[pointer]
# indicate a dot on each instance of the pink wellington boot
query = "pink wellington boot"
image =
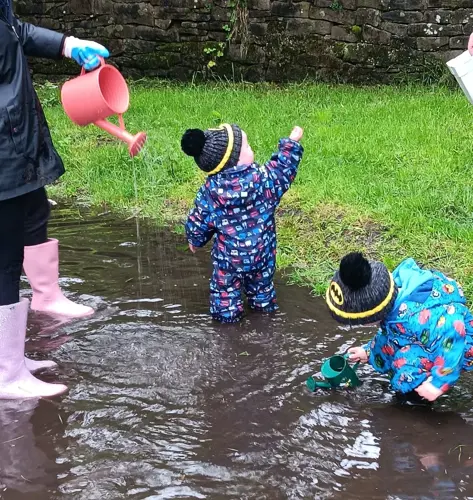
(32, 365)
(16, 382)
(41, 264)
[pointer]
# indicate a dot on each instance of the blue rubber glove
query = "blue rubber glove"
(84, 52)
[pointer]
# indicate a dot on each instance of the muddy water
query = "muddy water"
(165, 404)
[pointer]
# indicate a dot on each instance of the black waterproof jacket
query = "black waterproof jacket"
(28, 159)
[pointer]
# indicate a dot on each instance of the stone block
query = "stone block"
(431, 43)
(163, 24)
(449, 4)
(284, 9)
(357, 53)
(80, 6)
(346, 17)
(254, 54)
(402, 16)
(51, 24)
(258, 14)
(343, 34)
(459, 42)
(375, 35)
(217, 36)
(139, 46)
(308, 26)
(259, 4)
(407, 4)
(120, 31)
(155, 34)
(290, 9)
(462, 16)
(468, 28)
(103, 6)
(258, 29)
(368, 16)
(396, 29)
(429, 29)
(136, 13)
(193, 37)
(28, 8)
(344, 4)
(320, 61)
(438, 16)
(373, 4)
(220, 14)
(446, 55)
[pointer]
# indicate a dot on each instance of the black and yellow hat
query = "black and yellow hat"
(361, 291)
(214, 149)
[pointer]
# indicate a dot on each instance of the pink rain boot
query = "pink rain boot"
(16, 382)
(41, 264)
(35, 366)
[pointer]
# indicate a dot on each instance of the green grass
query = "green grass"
(386, 170)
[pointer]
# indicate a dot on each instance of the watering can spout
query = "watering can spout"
(135, 142)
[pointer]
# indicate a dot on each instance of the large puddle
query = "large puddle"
(166, 404)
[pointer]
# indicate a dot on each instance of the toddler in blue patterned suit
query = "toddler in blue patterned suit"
(236, 207)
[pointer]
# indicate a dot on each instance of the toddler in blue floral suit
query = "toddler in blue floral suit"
(425, 336)
(236, 206)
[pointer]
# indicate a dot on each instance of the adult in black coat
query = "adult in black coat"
(29, 162)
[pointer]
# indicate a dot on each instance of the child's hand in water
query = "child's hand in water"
(192, 248)
(428, 391)
(358, 354)
(296, 134)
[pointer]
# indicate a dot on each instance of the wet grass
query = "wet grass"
(386, 170)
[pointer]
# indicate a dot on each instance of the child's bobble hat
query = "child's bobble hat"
(361, 291)
(214, 149)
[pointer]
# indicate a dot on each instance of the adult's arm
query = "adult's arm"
(39, 42)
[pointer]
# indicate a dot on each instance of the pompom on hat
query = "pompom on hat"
(361, 291)
(214, 149)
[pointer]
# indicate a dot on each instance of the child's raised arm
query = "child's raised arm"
(199, 226)
(282, 167)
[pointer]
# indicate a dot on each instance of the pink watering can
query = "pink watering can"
(92, 97)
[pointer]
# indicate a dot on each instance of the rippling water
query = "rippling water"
(166, 404)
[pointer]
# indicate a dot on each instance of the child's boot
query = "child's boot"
(41, 264)
(16, 382)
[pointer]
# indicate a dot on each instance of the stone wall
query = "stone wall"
(276, 40)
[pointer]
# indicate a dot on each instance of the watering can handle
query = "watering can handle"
(356, 365)
(102, 63)
(121, 122)
(83, 71)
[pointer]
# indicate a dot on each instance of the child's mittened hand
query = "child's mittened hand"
(358, 354)
(192, 248)
(428, 391)
(296, 134)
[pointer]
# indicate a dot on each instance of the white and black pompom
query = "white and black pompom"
(355, 271)
(193, 141)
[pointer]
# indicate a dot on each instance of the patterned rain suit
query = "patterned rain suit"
(429, 333)
(237, 206)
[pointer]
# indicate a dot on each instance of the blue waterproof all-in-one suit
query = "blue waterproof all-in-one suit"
(428, 335)
(237, 206)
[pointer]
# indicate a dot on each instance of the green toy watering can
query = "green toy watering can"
(336, 371)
